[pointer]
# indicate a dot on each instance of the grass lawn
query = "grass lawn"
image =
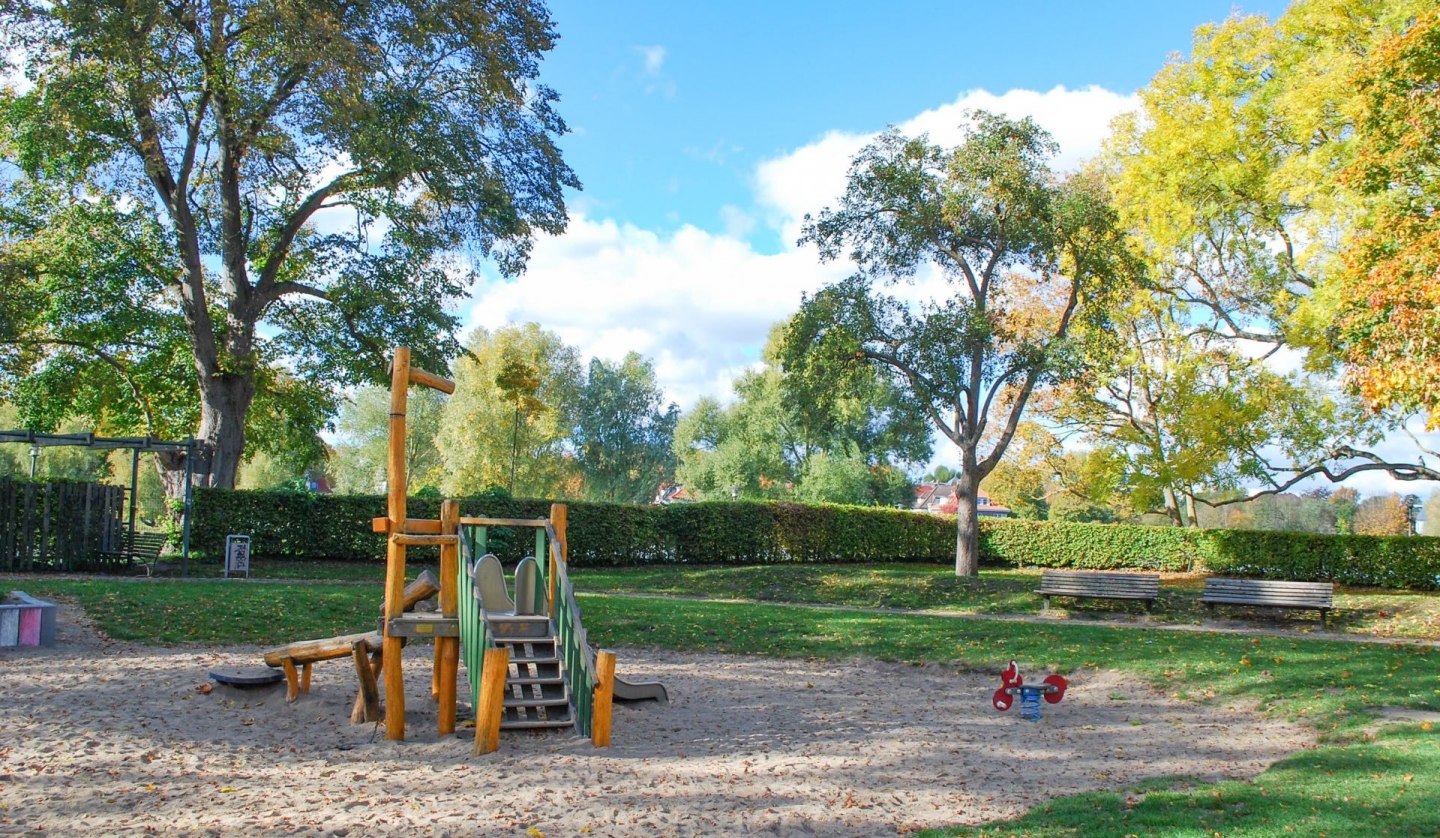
(1374, 611)
(1358, 783)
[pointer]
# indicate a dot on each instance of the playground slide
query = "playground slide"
(640, 691)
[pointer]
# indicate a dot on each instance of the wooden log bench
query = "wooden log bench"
(1270, 593)
(1090, 585)
(296, 659)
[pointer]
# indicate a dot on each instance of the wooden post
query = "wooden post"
(395, 551)
(447, 649)
(558, 514)
(367, 702)
(492, 700)
(604, 698)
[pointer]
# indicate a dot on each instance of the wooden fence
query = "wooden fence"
(62, 525)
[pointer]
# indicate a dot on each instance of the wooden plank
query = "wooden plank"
(492, 700)
(410, 540)
(471, 521)
(600, 713)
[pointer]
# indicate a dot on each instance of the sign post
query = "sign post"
(237, 556)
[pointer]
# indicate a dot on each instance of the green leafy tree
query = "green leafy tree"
(1186, 414)
(1391, 288)
(1022, 255)
(360, 464)
(1231, 178)
(762, 446)
(274, 185)
(483, 438)
(1382, 515)
(624, 431)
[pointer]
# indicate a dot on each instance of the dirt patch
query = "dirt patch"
(114, 738)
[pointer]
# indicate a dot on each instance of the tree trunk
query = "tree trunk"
(967, 517)
(1172, 507)
(224, 401)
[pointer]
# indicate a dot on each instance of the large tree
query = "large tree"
(1231, 177)
(837, 439)
(623, 431)
(359, 464)
(1180, 413)
(493, 434)
(283, 184)
(1391, 289)
(1019, 254)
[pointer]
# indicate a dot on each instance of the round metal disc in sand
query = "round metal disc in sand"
(247, 676)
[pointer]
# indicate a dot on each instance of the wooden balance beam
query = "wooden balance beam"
(363, 648)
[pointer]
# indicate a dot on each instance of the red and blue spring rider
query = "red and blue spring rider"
(1052, 689)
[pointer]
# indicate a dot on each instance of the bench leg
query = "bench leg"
(292, 680)
(1149, 606)
(1045, 606)
(1322, 618)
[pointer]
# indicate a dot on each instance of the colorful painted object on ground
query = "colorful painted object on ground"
(1012, 683)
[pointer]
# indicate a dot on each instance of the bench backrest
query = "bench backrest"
(1133, 585)
(1270, 592)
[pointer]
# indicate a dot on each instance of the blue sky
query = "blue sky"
(704, 132)
(673, 105)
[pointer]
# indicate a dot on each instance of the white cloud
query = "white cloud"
(654, 58)
(813, 176)
(700, 304)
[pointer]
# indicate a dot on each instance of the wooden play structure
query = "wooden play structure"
(528, 660)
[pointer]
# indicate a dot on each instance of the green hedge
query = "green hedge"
(305, 526)
(1379, 561)
(293, 525)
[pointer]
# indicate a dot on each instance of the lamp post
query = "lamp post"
(34, 458)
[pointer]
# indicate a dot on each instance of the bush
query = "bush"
(306, 526)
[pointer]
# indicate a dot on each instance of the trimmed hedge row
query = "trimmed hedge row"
(294, 525)
(304, 526)
(1380, 561)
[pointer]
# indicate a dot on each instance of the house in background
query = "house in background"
(940, 499)
(667, 494)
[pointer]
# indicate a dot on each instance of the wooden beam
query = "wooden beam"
(492, 700)
(600, 710)
(410, 540)
(426, 526)
(431, 380)
(503, 522)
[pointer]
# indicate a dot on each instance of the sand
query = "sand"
(105, 737)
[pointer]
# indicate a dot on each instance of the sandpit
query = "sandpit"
(106, 737)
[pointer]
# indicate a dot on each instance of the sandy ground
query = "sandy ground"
(102, 737)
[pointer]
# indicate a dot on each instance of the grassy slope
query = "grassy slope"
(1383, 613)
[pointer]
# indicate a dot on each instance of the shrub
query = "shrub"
(306, 526)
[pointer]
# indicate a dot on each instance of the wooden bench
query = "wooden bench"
(1141, 586)
(1270, 593)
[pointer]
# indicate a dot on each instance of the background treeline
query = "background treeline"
(291, 525)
